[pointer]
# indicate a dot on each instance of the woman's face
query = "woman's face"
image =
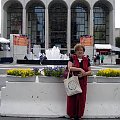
(80, 52)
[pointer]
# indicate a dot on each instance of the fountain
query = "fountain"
(54, 57)
(54, 54)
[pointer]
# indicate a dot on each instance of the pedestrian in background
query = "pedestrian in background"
(102, 59)
(98, 59)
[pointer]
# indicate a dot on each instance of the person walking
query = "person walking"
(98, 59)
(102, 59)
(77, 64)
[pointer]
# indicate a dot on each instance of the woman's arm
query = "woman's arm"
(74, 68)
(88, 72)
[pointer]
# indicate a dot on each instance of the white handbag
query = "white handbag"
(72, 85)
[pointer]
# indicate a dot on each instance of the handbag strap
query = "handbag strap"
(69, 73)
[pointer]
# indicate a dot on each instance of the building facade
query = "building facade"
(59, 23)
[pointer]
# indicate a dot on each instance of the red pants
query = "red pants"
(76, 103)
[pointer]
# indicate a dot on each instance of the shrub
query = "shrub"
(22, 72)
(109, 72)
(56, 71)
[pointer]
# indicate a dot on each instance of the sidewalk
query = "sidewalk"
(17, 118)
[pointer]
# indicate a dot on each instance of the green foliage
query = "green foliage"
(56, 71)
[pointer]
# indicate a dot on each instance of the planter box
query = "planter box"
(91, 79)
(102, 79)
(11, 78)
(50, 79)
(30, 99)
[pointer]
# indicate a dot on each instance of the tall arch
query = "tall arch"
(57, 24)
(14, 17)
(101, 13)
(79, 21)
(36, 23)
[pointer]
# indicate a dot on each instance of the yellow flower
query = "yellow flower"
(109, 72)
(21, 72)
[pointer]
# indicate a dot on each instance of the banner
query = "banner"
(20, 40)
(86, 40)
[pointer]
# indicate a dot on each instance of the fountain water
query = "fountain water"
(54, 54)
(54, 57)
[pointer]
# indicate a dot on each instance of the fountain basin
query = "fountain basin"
(54, 62)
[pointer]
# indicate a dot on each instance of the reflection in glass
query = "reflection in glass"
(58, 25)
(14, 19)
(79, 22)
(101, 23)
(36, 24)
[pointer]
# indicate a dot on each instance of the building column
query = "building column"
(69, 30)
(91, 22)
(24, 21)
(112, 27)
(46, 29)
(3, 23)
(91, 48)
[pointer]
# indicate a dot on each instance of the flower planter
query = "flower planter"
(102, 79)
(30, 99)
(11, 78)
(91, 79)
(50, 79)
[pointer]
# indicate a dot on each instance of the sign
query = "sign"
(20, 40)
(86, 40)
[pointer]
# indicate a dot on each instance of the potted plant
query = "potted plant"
(22, 74)
(108, 75)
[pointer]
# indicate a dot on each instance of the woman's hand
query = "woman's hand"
(85, 74)
(82, 71)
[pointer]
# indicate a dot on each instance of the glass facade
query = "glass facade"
(57, 17)
(79, 22)
(14, 19)
(36, 24)
(58, 25)
(101, 24)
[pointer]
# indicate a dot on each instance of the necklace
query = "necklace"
(79, 59)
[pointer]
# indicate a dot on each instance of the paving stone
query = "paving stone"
(22, 118)
(13, 118)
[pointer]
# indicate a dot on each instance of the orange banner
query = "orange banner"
(20, 40)
(86, 40)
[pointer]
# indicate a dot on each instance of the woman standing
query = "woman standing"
(78, 63)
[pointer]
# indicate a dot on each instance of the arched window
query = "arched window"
(36, 24)
(58, 25)
(101, 23)
(79, 22)
(14, 19)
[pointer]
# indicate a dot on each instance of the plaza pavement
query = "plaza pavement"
(4, 67)
(20, 118)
